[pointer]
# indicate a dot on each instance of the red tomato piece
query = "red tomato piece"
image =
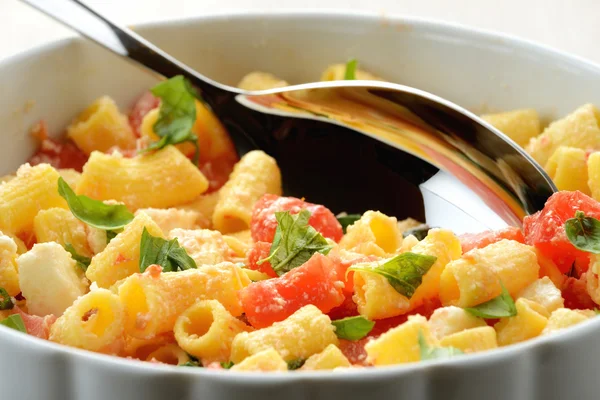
(470, 241)
(57, 154)
(347, 309)
(576, 296)
(264, 224)
(315, 282)
(546, 228)
(143, 105)
(258, 252)
(355, 350)
(36, 326)
(217, 170)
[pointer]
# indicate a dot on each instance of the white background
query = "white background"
(570, 25)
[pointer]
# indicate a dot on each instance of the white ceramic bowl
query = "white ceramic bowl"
(475, 69)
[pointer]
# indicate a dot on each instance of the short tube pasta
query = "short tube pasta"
(161, 179)
(254, 175)
(568, 168)
(94, 322)
(530, 321)
(475, 278)
(266, 360)
(203, 245)
(258, 80)
(173, 218)
(169, 354)
(519, 125)
(472, 340)
(206, 330)
(100, 127)
(9, 276)
(544, 292)
(155, 299)
(60, 225)
(446, 321)
(330, 358)
(33, 189)
(121, 256)
(306, 332)
(373, 234)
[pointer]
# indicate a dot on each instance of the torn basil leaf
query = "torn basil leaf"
(350, 73)
(295, 242)
(5, 300)
(82, 262)
(166, 253)
(502, 306)
(436, 353)
(347, 219)
(94, 212)
(404, 272)
(14, 322)
(352, 328)
(584, 232)
(295, 364)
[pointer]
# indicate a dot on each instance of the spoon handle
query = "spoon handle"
(125, 42)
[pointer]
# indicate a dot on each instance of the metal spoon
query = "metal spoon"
(357, 145)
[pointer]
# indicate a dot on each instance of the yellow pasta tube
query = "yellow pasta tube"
(34, 189)
(336, 72)
(169, 354)
(160, 179)
(472, 340)
(444, 245)
(121, 257)
(594, 175)
(530, 321)
(376, 298)
(154, 299)
(579, 129)
(330, 358)
(519, 125)
(568, 169)
(9, 277)
(60, 225)
(263, 361)
(373, 234)
(400, 345)
(142, 348)
(258, 80)
(306, 332)
(48, 279)
(543, 292)
(206, 330)
(253, 176)
(206, 247)
(94, 322)
(475, 277)
(446, 321)
(171, 218)
(100, 127)
(70, 176)
(563, 318)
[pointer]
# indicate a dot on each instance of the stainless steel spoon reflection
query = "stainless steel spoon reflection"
(357, 145)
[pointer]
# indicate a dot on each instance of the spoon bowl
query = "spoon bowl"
(357, 145)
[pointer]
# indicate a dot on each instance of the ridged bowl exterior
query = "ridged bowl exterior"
(478, 70)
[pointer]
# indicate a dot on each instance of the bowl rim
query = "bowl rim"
(474, 360)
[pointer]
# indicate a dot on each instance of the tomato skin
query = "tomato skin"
(545, 229)
(576, 296)
(36, 326)
(315, 282)
(264, 224)
(217, 170)
(470, 241)
(258, 252)
(347, 309)
(143, 105)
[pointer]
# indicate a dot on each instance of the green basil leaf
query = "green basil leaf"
(501, 306)
(192, 362)
(347, 220)
(350, 73)
(584, 232)
(177, 114)
(166, 253)
(110, 235)
(295, 364)
(436, 353)
(420, 232)
(352, 328)
(5, 300)
(94, 212)
(295, 242)
(14, 322)
(404, 271)
(227, 365)
(82, 262)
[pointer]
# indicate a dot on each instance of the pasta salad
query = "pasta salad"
(146, 237)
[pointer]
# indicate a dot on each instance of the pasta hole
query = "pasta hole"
(89, 314)
(200, 322)
(385, 235)
(232, 224)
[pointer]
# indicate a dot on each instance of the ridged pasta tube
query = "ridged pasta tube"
(9, 277)
(61, 226)
(155, 299)
(263, 361)
(373, 234)
(519, 125)
(254, 175)
(161, 179)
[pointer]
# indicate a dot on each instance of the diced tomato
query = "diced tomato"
(264, 224)
(28, 238)
(258, 252)
(354, 350)
(348, 278)
(575, 293)
(144, 104)
(58, 154)
(217, 170)
(315, 282)
(36, 326)
(470, 241)
(347, 309)
(546, 231)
